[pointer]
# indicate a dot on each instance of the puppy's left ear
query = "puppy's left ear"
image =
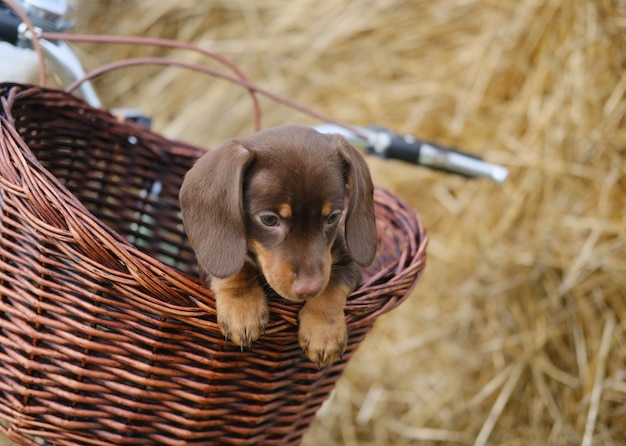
(361, 237)
(212, 210)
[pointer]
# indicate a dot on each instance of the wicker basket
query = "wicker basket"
(106, 337)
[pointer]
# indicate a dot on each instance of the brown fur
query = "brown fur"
(274, 204)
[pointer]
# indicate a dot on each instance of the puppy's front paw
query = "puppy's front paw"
(323, 335)
(242, 318)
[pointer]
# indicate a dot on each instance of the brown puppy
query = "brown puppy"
(273, 205)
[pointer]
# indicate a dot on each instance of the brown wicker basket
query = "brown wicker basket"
(106, 337)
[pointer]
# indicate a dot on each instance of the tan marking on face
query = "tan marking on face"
(284, 210)
(279, 274)
(327, 208)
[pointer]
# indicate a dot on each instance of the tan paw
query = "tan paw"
(242, 318)
(322, 336)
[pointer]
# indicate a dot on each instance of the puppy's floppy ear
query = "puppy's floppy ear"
(361, 237)
(211, 204)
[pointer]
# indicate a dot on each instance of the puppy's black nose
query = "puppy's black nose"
(307, 287)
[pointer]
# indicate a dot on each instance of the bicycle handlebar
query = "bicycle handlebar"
(389, 145)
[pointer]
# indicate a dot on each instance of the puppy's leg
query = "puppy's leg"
(242, 311)
(323, 334)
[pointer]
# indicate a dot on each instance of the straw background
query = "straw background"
(516, 334)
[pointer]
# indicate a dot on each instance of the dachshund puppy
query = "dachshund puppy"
(290, 207)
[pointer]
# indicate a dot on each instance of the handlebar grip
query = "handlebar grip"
(9, 25)
(431, 155)
(403, 150)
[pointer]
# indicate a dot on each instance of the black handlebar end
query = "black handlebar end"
(9, 25)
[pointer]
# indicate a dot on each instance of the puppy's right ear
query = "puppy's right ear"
(211, 204)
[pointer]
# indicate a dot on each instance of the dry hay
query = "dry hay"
(516, 333)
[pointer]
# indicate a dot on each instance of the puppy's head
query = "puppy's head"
(280, 196)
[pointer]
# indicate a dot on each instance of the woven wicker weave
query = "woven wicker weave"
(106, 337)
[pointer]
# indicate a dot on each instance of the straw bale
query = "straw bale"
(516, 333)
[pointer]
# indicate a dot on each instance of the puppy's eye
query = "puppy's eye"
(333, 218)
(269, 219)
